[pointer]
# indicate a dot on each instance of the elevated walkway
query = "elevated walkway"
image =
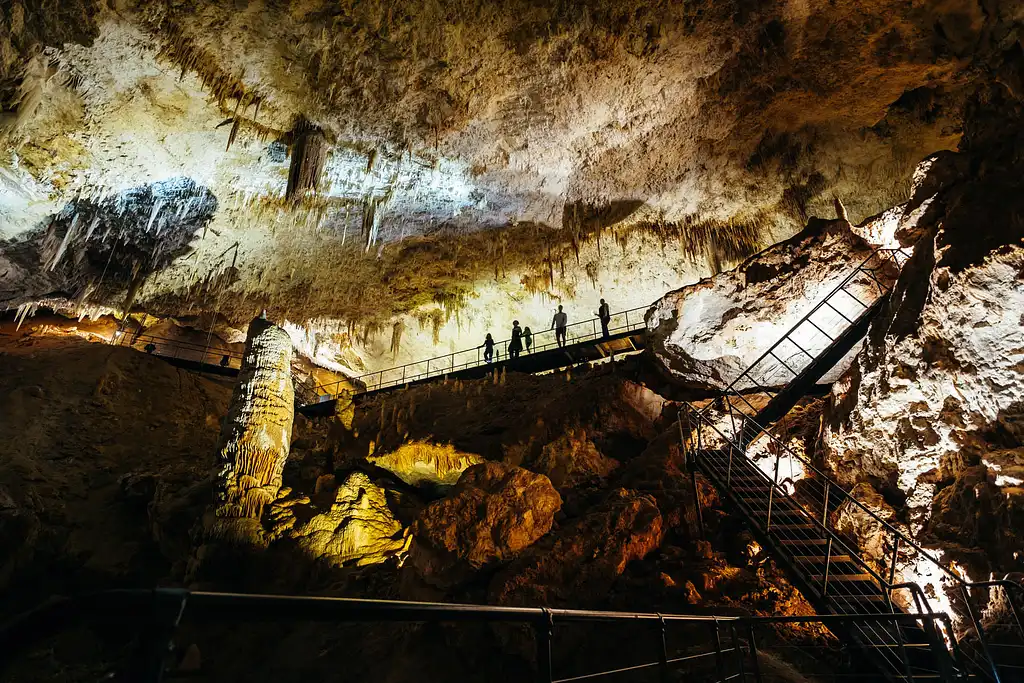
(732, 444)
(585, 343)
(183, 354)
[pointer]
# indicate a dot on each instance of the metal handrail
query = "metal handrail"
(448, 366)
(130, 340)
(163, 609)
(860, 268)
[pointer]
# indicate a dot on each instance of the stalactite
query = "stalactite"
(309, 154)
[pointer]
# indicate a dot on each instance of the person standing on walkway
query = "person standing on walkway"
(559, 323)
(528, 338)
(605, 315)
(488, 346)
(515, 345)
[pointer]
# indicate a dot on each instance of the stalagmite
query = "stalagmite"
(255, 439)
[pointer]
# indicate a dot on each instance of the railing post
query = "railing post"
(543, 632)
(771, 495)
(738, 648)
(824, 510)
(427, 373)
(981, 634)
(828, 565)
(753, 653)
(719, 661)
(895, 554)
(665, 677)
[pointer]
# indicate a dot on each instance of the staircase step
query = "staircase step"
(822, 558)
(817, 578)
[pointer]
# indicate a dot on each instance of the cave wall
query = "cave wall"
(931, 414)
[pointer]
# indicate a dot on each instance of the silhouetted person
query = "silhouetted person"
(224, 361)
(150, 347)
(559, 323)
(604, 314)
(515, 345)
(488, 348)
(528, 338)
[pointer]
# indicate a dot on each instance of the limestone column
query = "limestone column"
(255, 438)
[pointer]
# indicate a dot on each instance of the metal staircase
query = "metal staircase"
(730, 442)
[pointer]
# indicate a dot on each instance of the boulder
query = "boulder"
(492, 513)
(572, 460)
(580, 563)
(426, 465)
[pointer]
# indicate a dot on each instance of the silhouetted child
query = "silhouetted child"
(488, 346)
(150, 347)
(224, 361)
(528, 338)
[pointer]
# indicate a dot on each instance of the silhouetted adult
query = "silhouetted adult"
(515, 345)
(604, 314)
(150, 347)
(528, 338)
(488, 347)
(558, 324)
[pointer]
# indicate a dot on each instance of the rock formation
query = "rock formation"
(256, 437)
(426, 464)
(579, 563)
(493, 513)
(931, 413)
(707, 334)
(359, 529)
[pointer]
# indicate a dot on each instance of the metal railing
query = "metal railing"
(724, 434)
(582, 332)
(692, 647)
(804, 342)
(204, 354)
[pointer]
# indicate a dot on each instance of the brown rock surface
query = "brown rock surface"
(494, 512)
(579, 563)
(103, 477)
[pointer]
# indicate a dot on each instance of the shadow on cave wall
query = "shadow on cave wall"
(105, 245)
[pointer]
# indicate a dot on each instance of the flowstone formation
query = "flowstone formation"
(358, 529)
(931, 414)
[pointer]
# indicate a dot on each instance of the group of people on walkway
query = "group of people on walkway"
(522, 338)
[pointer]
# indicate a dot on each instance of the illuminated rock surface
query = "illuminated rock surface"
(708, 333)
(931, 412)
(467, 149)
(494, 512)
(580, 562)
(358, 529)
(421, 463)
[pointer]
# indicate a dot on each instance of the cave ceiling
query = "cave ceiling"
(357, 160)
